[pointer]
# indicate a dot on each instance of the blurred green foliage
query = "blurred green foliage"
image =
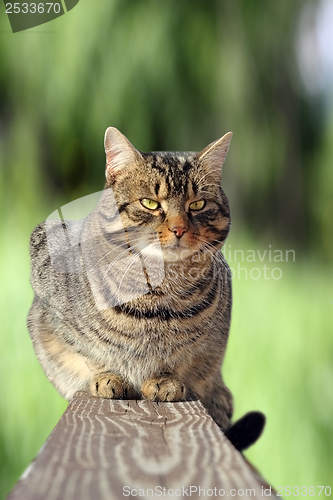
(170, 75)
(176, 75)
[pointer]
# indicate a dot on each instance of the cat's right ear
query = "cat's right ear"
(119, 152)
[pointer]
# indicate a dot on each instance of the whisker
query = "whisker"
(127, 269)
(107, 253)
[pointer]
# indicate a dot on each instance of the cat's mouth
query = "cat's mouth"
(176, 245)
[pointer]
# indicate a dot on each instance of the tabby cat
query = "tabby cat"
(134, 300)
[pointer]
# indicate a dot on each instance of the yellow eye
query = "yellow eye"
(150, 204)
(198, 205)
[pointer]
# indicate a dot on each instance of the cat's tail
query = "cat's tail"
(246, 430)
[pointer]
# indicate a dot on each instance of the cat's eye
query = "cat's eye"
(197, 205)
(150, 204)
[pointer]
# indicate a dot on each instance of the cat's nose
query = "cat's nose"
(178, 230)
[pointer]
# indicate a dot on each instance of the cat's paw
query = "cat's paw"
(111, 386)
(164, 389)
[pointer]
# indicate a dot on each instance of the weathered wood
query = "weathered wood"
(104, 449)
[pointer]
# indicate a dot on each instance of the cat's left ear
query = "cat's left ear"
(120, 153)
(215, 153)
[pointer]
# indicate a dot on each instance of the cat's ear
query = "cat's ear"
(214, 154)
(120, 153)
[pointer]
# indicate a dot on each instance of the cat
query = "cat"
(134, 300)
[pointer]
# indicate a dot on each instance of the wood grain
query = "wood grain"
(104, 449)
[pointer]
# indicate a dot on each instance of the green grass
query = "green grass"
(30, 406)
(279, 361)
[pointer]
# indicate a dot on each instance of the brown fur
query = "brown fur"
(168, 343)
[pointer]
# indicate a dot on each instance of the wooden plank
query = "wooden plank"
(111, 449)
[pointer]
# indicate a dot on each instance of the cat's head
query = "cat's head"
(178, 194)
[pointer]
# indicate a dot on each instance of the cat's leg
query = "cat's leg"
(111, 386)
(219, 405)
(68, 370)
(164, 388)
(203, 379)
(65, 365)
(217, 400)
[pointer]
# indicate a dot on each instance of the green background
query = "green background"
(176, 75)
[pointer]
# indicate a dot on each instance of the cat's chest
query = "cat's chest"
(146, 354)
(143, 334)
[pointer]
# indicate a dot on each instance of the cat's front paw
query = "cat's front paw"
(164, 389)
(111, 386)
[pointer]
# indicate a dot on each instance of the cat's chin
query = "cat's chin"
(176, 253)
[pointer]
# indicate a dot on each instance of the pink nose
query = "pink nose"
(179, 231)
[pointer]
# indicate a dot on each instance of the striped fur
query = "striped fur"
(168, 343)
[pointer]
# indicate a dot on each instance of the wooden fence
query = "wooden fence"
(111, 449)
